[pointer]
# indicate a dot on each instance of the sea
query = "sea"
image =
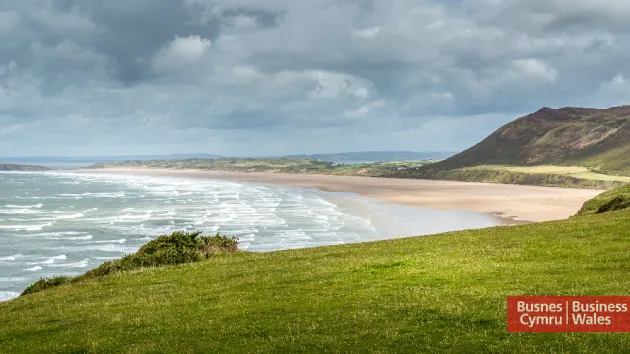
(63, 223)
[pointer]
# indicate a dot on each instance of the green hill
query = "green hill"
(595, 138)
(442, 293)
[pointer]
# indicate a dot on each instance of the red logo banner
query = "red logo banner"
(568, 313)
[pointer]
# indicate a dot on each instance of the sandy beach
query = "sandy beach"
(521, 203)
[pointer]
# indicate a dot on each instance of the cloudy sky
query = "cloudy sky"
(255, 77)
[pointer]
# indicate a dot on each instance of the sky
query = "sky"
(274, 77)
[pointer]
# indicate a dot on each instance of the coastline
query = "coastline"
(513, 203)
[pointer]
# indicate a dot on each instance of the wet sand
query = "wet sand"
(515, 202)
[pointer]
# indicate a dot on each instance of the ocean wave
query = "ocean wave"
(36, 206)
(105, 258)
(120, 241)
(58, 233)
(62, 236)
(120, 194)
(131, 218)
(8, 295)
(13, 279)
(57, 215)
(78, 238)
(80, 264)
(51, 260)
(17, 211)
(143, 239)
(62, 216)
(11, 258)
(33, 269)
(26, 227)
(103, 247)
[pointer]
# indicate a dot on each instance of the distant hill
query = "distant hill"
(594, 138)
(375, 156)
(76, 162)
(16, 167)
(94, 159)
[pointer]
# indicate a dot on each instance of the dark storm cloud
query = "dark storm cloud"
(282, 76)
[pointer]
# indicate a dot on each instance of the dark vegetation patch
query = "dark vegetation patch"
(387, 265)
(16, 167)
(177, 248)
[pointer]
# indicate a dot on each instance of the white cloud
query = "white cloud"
(367, 33)
(615, 91)
(181, 52)
(536, 69)
(363, 110)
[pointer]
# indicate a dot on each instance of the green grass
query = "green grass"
(443, 293)
(612, 200)
(501, 174)
(616, 161)
(579, 172)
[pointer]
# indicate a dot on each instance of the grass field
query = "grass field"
(570, 171)
(443, 293)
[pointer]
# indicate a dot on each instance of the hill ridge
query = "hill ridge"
(590, 137)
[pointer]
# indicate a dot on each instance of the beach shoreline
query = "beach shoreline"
(513, 203)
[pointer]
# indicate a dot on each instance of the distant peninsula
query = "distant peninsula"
(278, 165)
(17, 167)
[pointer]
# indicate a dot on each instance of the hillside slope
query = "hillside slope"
(595, 138)
(443, 293)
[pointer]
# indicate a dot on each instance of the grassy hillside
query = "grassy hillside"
(595, 138)
(612, 200)
(550, 176)
(16, 167)
(376, 156)
(444, 293)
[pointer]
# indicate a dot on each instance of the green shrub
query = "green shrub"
(177, 248)
(212, 245)
(45, 284)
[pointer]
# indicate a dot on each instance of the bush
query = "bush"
(45, 284)
(177, 248)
